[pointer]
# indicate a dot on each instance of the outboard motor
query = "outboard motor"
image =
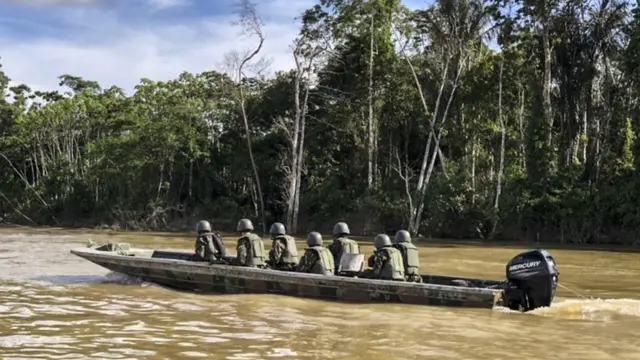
(532, 279)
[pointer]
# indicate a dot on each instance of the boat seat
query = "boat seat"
(170, 255)
(114, 247)
(460, 282)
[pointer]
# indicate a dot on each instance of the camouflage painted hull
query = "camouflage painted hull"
(172, 270)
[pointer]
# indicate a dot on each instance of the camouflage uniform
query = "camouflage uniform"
(341, 243)
(250, 249)
(284, 253)
(316, 258)
(209, 245)
(410, 256)
(387, 261)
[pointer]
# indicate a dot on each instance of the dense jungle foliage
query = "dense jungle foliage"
(393, 118)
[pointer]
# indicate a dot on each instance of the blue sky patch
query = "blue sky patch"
(118, 42)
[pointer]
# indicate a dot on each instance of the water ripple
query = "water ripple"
(134, 329)
(62, 307)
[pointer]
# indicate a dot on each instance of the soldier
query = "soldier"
(284, 253)
(371, 259)
(209, 245)
(341, 243)
(250, 247)
(387, 261)
(410, 256)
(316, 258)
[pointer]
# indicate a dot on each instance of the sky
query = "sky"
(118, 42)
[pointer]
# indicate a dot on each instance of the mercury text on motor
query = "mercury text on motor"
(524, 266)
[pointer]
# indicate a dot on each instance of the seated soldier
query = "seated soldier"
(250, 248)
(387, 261)
(316, 258)
(284, 253)
(410, 256)
(209, 245)
(341, 243)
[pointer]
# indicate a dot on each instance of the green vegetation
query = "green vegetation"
(393, 118)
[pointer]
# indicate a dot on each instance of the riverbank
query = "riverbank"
(422, 241)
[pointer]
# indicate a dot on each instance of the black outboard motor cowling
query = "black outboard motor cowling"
(532, 279)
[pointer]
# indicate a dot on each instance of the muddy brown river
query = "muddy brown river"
(54, 305)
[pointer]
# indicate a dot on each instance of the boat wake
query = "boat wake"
(599, 310)
(117, 278)
(109, 278)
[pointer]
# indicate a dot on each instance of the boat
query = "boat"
(531, 281)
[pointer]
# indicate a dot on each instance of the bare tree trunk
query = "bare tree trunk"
(584, 133)
(296, 207)
(251, 24)
(253, 161)
(160, 181)
(295, 131)
(370, 119)
(424, 175)
(303, 123)
(421, 177)
(22, 176)
(404, 174)
(421, 192)
(294, 135)
(503, 136)
(190, 179)
(523, 145)
(474, 146)
(425, 159)
(254, 196)
(97, 191)
(546, 83)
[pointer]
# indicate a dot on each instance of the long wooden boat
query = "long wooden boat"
(175, 270)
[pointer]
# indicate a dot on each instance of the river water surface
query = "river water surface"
(54, 305)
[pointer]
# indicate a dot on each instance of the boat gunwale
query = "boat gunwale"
(204, 268)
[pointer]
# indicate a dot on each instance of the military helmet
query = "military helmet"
(403, 236)
(314, 239)
(382, 240)
(277, 229)
(245, 225)
(341, 228)
(203, 226)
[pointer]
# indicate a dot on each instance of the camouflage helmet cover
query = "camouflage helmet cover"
(403, 236)
(244, 225)
(314, 239)
(382, 240)
(341, 228)
(203, 226)
(277, 229)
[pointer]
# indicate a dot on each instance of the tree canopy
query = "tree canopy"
(508, 119)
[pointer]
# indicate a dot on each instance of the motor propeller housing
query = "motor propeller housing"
(532, 280)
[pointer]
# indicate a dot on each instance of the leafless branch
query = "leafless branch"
(283, 124)
(406, 176)
(251, 25)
